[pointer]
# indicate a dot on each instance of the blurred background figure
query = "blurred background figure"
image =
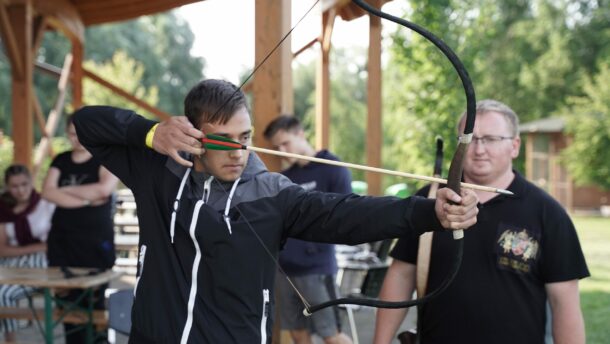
(82, 233)
(312, 267)
(25, 221)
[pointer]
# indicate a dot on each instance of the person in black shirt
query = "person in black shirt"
(82, 231)
(523, 251)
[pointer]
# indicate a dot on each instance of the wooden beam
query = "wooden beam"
(323, 82)
(10, 43)
(287, 95)
(20, 17)
(268, 85)
(40, 26)
(61, 15)
(122, 93)
(54, 116)
(48, 68)
(373, 129)
(38, 115)
(305, 47)
(77, 74)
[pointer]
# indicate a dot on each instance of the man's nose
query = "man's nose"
(237, 153)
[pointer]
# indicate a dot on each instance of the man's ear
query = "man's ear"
(516, 147)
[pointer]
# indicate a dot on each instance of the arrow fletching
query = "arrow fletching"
(215, 142)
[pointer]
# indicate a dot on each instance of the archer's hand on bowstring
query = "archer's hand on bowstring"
(455, 211)
(178, 134)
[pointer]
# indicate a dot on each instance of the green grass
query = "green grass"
(594, 235)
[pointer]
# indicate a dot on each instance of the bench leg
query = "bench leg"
(48, 317)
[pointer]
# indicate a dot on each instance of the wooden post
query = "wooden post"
(269, 85)
(323, 82)
(77, 74)
(20, 18)
(373, 129)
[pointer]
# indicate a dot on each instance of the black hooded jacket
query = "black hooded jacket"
(205, 271)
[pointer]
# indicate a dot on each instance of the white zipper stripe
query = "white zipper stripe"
(264, 316)
(193, 293)
(176, 204)
(141, 262)
(228, 206)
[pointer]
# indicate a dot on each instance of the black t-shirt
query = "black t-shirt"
(518, 244)
(80, 237)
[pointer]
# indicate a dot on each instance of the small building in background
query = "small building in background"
(544, 141)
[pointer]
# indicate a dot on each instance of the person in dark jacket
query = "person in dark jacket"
(212, 222)
(312, 267)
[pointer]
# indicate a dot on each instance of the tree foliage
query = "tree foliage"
(161, 44)
(588, 120)
(528, 54)
(121, 70)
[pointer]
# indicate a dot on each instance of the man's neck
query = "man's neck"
(80, 155)
(502, 182)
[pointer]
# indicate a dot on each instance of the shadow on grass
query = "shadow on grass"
(596, 309)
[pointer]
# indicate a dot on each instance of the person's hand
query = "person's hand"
(455, 211)
(178, 134)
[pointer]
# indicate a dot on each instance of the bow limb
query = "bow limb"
(455, 170)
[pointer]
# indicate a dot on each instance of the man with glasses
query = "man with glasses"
(523, 252)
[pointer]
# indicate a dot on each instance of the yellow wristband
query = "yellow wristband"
(150, 135)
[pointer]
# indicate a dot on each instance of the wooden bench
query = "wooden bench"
(76, 317)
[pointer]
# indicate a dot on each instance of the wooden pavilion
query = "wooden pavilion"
(23, 23)
(545, 139)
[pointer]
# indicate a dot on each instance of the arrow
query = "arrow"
(215, 142)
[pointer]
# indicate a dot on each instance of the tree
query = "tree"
(161, 43)
(588, 122)
(524, 53)
(123, 71)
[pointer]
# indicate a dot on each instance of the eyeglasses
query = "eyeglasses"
(490, 139)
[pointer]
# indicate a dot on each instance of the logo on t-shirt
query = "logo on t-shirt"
(517, 249)
(309, 185)
(73, 180)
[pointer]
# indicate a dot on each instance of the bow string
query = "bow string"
(455, 170)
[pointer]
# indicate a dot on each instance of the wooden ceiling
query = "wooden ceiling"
(104, 11)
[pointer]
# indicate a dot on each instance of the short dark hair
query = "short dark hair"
(213, 101)
(283, 122)
(14, 170)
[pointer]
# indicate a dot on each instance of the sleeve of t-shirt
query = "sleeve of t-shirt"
(562, 258)
(59, 162)
(406, 247)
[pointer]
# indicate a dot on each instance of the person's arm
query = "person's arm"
(352, 219)
(52, 193)
(118, 138)
(95, 192)
(398, 285)
(568, 324)
(7, 250)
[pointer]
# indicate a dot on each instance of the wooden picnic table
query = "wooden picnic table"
(53, 278)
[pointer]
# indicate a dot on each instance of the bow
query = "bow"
(455, 170)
